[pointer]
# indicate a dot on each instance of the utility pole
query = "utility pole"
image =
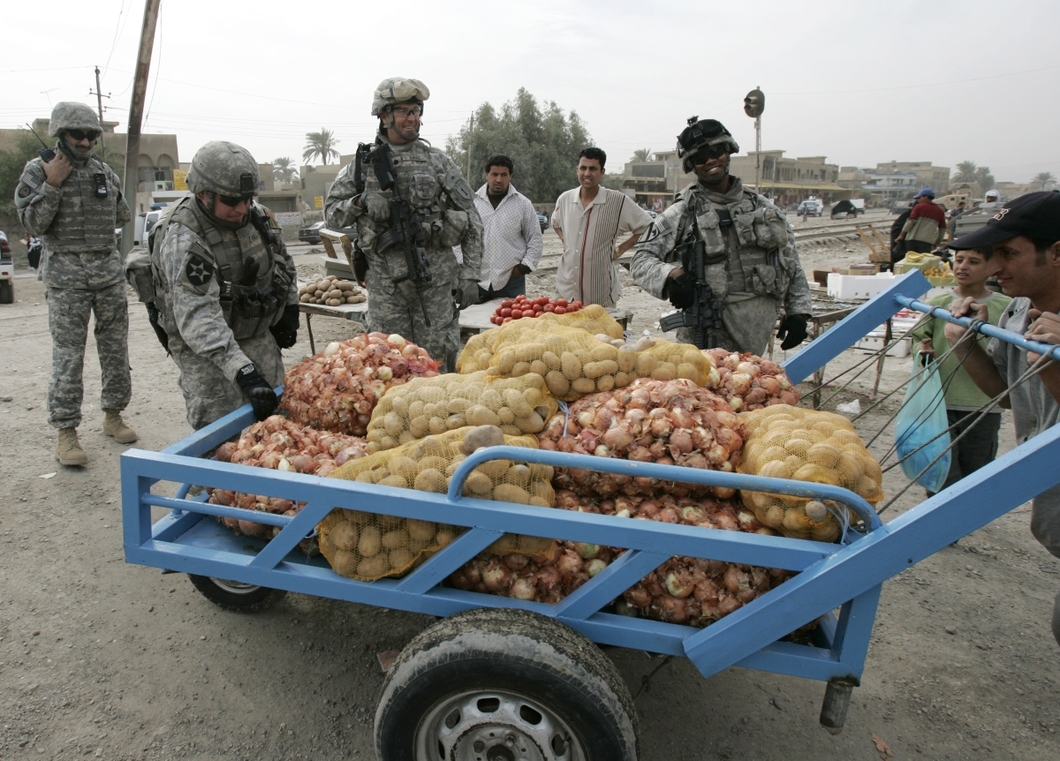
(753, 105)
(136, 111)
(470, 140)
(99, 102)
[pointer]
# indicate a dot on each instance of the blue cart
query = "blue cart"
(497, 678)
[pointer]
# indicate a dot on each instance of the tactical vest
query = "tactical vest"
(85, 222)
(251, 272)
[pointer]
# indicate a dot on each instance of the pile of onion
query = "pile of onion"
(673, 422)
(279, 444)
(749, 382)
(337, 389)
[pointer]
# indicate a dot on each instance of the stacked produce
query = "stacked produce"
(665, 422)
(749, 382)
(337, 389)
(280, 444)
(368, 546)
(521, 306)
(806, 445)
(446, 402)
(331, 291)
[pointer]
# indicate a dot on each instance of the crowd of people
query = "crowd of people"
(221, 292)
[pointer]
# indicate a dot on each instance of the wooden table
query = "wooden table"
(476, 318)
(353, 312)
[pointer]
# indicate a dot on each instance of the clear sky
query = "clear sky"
(857, 82)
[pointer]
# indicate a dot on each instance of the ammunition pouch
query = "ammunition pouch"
(140, 274)
(453, 225)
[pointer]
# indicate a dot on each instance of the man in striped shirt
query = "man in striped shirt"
(512, 237)
(588, 219)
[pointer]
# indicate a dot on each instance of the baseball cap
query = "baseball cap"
(1035, 215)
(925, 192)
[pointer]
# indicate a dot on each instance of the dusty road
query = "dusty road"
(101, 659)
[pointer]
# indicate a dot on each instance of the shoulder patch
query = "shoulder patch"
(198, 271)
(24, 190)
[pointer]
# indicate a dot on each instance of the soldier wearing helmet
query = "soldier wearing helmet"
(225, 288)
(411, 205)
(751, 265)
(73, 202)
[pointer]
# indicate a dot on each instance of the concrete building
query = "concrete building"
(927, 174)
(886, 188)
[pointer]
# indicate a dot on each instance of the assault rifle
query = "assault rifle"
(406, 228)
(704, 315)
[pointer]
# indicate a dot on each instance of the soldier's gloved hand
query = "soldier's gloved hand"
(261, 397)
(153, 317)
(681, 291)
(376, 205)
(286, 330)
(468, 294)
(792, 331)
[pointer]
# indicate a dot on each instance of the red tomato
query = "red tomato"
(542, 300)
(506, 320)
(520, 298)
(576, 304)
(506, 312)
(561, 310)
(561, 302)
(507, 304)
(517, 313)
(550, 307)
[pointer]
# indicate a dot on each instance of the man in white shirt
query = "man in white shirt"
(588, 219)
(512, 237)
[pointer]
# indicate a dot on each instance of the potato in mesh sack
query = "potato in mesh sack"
(665, 422)
(337, 389)
(443, 403)
(280, 444)
(806, 445)
(368, 546)
(749, 382)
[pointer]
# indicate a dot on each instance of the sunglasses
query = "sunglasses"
(403, 111)
(706, 154)
(234, 201)
(77, 134)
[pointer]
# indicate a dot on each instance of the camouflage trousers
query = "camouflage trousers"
(208, 394)
(393, 310)
(69, 310)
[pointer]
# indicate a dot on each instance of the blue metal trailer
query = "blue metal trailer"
(500, 678)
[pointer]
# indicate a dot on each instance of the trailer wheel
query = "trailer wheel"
(504, 685)
(235, 595)
(7, 292)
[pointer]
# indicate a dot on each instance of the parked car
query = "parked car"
(846, 210)
(542, 219)
(901, 207)
(811, 207)
(311, 234)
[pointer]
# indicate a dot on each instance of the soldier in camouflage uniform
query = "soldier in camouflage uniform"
(752, 265)
(225, 289)
(442, 209)
(73, 203)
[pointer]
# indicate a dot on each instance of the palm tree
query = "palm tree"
(1043, 178)
(984, 178)
(320, 144)
(284, 170)
(642, 154)
(965, 172)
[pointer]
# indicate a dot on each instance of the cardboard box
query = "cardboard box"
(857, 286)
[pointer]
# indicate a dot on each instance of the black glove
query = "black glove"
(152, 317)
(681, 291)
(262, 398)
(792, 331)
(286, 330)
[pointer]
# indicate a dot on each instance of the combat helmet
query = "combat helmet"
(223, 168)
(72, 115)
(398, 90)
(702, 134)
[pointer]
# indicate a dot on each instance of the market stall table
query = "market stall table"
(476, 318)
(354, 312)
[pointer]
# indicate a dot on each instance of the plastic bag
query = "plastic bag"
(921, 427)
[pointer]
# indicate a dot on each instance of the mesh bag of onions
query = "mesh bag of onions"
(806, 445)
(479, 349)
(368, 546)
(446, 402)
(749, 382)
(667, 422)
(280, 444)
(337, 389)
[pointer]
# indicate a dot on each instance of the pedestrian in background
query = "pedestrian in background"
(925, 227)
(511, 243)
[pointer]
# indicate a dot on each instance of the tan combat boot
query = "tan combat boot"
(114, 426)
(68, 448)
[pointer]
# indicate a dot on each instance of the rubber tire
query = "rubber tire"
(7, 292)
(249, 599)
(518, 652)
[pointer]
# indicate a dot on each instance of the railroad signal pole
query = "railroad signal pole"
(754, 103)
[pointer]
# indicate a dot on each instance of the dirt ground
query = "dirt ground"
(103, 659)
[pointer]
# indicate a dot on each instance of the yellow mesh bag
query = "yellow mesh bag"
(592, 319)
(368, 546)
(447, 402)
(806, 445)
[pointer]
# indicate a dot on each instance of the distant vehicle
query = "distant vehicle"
(811, 207)
(144, 223)
(846, 209)
(542, 219)
(900, 207)
(311, 234)
(7, 271)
